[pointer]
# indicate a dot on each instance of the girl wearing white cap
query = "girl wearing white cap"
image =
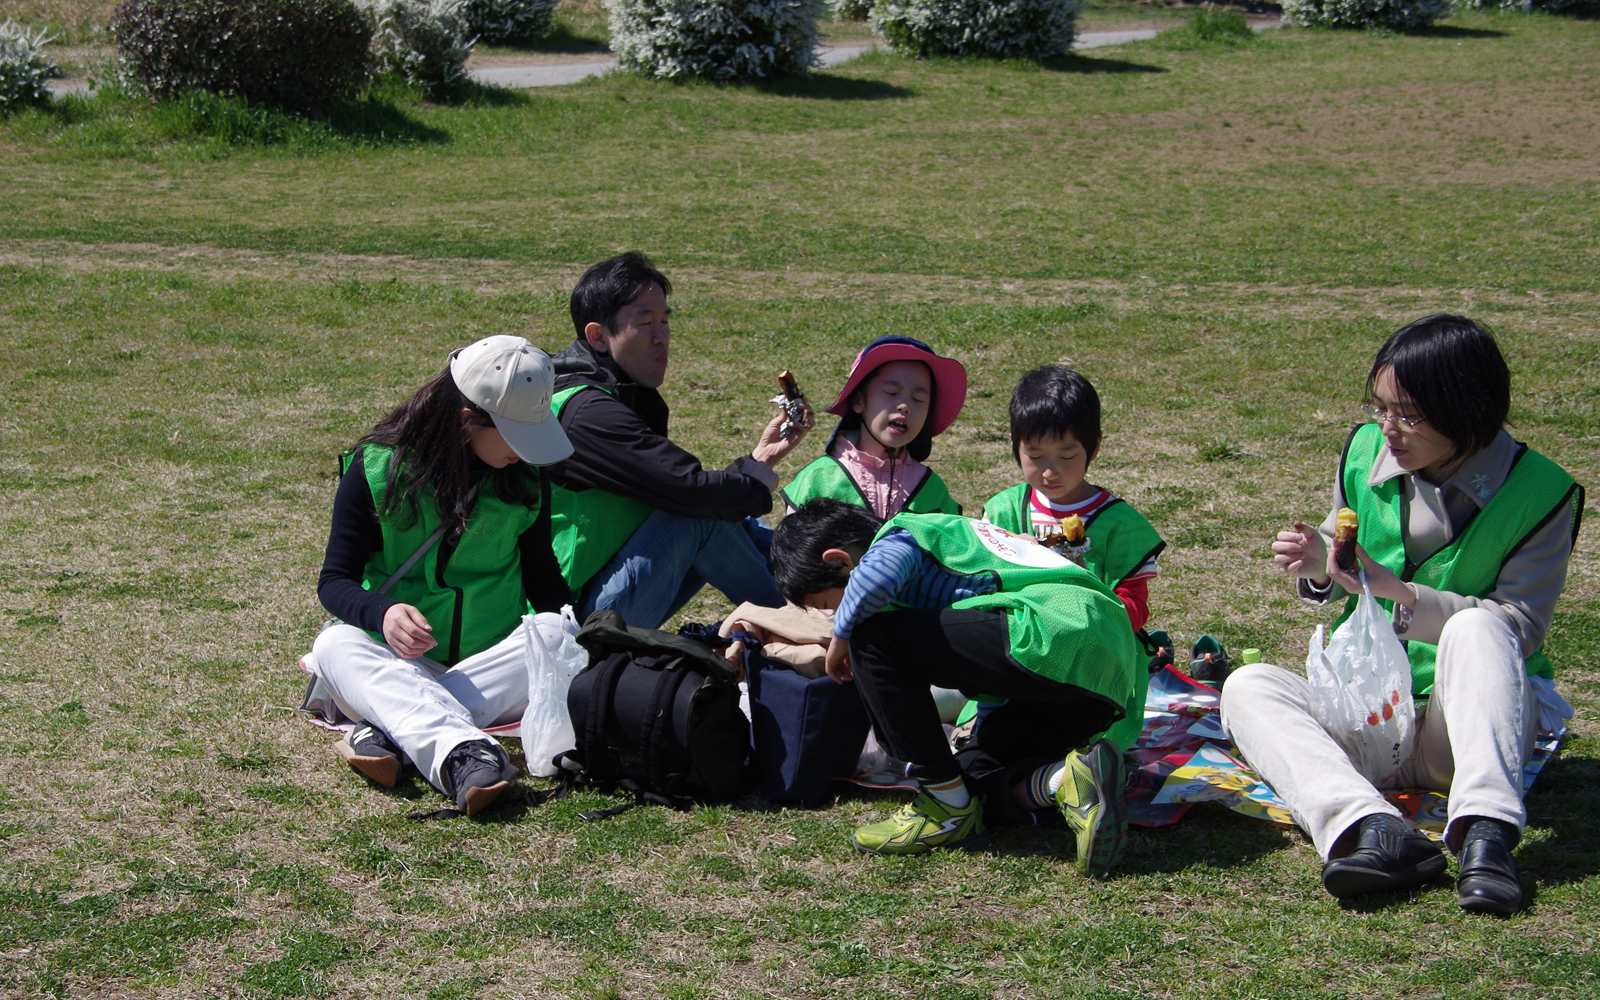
(440, 543)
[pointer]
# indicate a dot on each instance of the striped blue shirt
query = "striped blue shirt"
(895, 570)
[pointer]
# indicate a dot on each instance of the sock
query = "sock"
(1042, 785)
(1490, 829)
(952, 793)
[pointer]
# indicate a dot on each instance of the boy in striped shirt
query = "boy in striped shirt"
(948, 601)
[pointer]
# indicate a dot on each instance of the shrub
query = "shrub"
(24, 68)
(1004, 29)
(851, 10)
(715, 39)
(1400, 15)
(501, 22)
(1209, 25)
(301, 54)
(426, 41)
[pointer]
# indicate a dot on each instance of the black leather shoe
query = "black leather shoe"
(1388, 857)
(1488, 880)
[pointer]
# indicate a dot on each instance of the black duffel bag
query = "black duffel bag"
(657, 714)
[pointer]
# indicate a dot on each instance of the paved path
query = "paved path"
(523, 77)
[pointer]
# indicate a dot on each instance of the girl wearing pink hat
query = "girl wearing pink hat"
(898, 398)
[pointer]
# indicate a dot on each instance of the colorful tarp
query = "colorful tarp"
(1184, 757)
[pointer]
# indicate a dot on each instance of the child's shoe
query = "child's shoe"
(1208, 662)
(1090, 797)
(924, 824)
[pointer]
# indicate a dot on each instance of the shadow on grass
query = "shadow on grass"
(563, 40)
(1564, 801)
(827, 87)
(1072, 62)
(378, 123)
(1377, 902)
(1452, 31)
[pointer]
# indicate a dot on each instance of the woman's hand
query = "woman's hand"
(1381, 580)
(837, 662)
(1301, 552)
(772, 445)
(406, 631)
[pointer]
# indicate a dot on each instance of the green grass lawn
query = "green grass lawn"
(1220, 238)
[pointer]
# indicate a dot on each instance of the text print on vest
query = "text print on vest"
(1015, 548)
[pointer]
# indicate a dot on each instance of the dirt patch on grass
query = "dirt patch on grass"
(499, 277)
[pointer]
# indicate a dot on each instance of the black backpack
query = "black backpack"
(657, 714)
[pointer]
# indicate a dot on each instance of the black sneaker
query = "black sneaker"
(472, 774)
(1388, 857)
(371, 751)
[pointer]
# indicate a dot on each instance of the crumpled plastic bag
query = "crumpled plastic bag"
(554, 658)
(1361, 689)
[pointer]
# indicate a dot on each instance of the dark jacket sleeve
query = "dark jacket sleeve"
(614, 449)
(541, 573)
(355, 535)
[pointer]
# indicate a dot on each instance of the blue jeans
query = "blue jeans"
(669, 558)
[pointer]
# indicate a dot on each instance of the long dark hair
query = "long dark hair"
(433, 461)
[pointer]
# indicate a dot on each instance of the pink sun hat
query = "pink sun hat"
(949, 378)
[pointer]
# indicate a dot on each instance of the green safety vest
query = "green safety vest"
(1064, 623)
(475, 598)
(826, 477)
(1535, 491)
(1120, 540)
(589, 526)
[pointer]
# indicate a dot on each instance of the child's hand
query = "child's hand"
(406, 631)
(772, 445)
(1301, 552)
(838, 660)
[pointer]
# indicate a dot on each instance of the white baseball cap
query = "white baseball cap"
(514, 381)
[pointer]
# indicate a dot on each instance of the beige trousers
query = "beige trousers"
(1473, 738)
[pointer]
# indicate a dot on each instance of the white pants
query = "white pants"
(425, 708)
(1473, 739)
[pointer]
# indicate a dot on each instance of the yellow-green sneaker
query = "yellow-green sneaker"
(924, 824)
(1091, 800)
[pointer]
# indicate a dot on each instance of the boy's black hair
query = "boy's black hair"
(1454, 371)
(1054, 400)
(801, 538)
(611, 284)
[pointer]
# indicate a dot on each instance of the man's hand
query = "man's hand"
(1381, 580)
(837, 662)
(1301, 552)
(772, 445)
(406, 631)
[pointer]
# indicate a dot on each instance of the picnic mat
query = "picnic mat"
(1183, 757)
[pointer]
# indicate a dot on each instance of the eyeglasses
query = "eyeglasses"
(1378, 415)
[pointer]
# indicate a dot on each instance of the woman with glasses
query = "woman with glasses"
(1464, 535)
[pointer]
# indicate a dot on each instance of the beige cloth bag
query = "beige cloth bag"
(795, 637)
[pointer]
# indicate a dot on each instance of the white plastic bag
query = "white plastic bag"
(1361, 689)
(554, 658)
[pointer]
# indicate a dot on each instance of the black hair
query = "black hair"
(432, 458)
(611, 284)
(922, 445)
(1453, 370)
(801, 538)
(1054, 400)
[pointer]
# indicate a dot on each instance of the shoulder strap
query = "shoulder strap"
(595, 747)
(405, 567)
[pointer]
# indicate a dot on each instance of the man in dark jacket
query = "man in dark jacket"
(638, 525)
